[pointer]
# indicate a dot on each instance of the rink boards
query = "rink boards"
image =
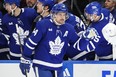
(70, 69)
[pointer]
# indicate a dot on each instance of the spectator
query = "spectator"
(111, 5)
(31, 3)
(23, 4)
(17, 25)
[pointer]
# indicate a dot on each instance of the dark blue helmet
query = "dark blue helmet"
(49, 3)
(59, 8)
(93, 8)
(17, 2)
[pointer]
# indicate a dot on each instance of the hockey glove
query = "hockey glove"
(90, 34)
(25, 65)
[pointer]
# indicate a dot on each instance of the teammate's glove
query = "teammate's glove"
(90, 33)
(25, 65)
(109, 33)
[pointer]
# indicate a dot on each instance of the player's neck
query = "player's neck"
(45, 14)
(17, 12)
(111, 8)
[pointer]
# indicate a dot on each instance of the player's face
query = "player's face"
(60, 17)
(92, 17)
(109, 4)
(87, 16)
(40, 7)
(31, 3)
(8, 7)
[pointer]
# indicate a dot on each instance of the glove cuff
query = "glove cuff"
(25, 60)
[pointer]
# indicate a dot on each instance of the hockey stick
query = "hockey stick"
(21, 48)
(81, 15)
(55, 73)
(38, 18)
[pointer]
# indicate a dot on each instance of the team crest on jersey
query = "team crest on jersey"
(20, 35)
(56, 46)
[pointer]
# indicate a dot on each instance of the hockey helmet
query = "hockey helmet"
(17, 2)
(59, 8)
(93, 8)
(49, 3)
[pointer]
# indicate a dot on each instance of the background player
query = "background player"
(99, 18)
(17, 25)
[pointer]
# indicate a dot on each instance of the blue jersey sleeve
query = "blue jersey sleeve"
(84, 45)
(4, 25)
(0, 19)
(76, 22)
(88, 44)
(3, 39)
(34, 39)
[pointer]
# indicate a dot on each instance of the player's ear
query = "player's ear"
(46, 8)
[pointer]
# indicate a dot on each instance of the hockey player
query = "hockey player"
(78, 25)
(99, 17)
(17, 24)
(4, 49)
(50, 40)
(43, 8)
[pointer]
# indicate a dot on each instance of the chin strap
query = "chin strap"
(12, 10)
(91, 18)
(43, 11)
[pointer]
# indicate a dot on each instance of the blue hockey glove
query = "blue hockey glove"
(25, 65)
